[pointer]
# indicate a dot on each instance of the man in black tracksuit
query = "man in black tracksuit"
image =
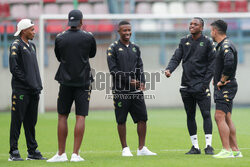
(126, 67)
(197, 55)
(225, 89)
(26, 87)
(73, 48)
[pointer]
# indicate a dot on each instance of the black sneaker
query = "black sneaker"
(35, 156)
(209, 150)
(194, 151)
(15, 156)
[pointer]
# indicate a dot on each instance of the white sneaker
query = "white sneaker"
(144, 151)
(58, 158)
(126, 152)
(76, 158)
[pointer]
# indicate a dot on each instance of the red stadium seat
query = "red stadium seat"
(55, 26)
(241, 6)
(82, 0)
(105, 27)
(4, 10)
(90, 28)
(10, 27)
(225, 6)
(49, 1)
(1, 29)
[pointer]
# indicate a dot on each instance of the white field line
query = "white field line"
(117, 151)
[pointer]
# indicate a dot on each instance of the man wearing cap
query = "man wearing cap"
(73, 48)
(26, 87)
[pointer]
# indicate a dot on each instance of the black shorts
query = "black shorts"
(224, 97)
(130, 103)
(68, 94)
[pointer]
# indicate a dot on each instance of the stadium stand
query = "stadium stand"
(143, 8)
(18, 11)
(209, 7)
(192, 7)
(159, 8)
(176, 7)
(241, 6)
(65, 8)
(224, 6)
(86, 8)
(51, 8)
(34, 11)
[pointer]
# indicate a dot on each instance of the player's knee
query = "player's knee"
(206, 114)
(218, 117)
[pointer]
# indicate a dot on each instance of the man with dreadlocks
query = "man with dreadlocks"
(196, 52)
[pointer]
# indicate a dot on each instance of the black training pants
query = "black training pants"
(23, 110)
(203, 99)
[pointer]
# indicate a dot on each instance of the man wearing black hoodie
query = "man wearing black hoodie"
(73, 48)
(26, 87)
(197, 55)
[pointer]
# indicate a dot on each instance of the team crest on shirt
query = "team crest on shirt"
(13, 53)
(120, 49)
(134, 49)
(109, 54)
(109, 48)
(201, 43)
(226, 46)
(227, 100)
(187, 43)
(226, 50)
(119, 104)
(226, 96)
(13, 47)
(225, 92)
(24, 48)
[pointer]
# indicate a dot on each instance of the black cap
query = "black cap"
(74, 18)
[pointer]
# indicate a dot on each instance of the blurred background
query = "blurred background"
(157, 38)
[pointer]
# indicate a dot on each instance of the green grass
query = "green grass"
(166, 134)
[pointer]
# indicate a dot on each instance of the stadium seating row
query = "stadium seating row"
(33, 10)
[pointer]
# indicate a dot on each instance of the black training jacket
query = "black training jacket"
(124, 64)
(197, 58)
(24, 67)
(226, 60)
(73, 48)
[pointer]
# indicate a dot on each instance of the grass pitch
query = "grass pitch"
(167, 135)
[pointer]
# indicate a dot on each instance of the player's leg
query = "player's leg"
(190, 108)
(64, 103)
(204, 102)
(121, 112)
(121, 127)
(82, 98)
(220, 118)
(232, 135)
(141, 131)
(18, 109)
(30, 121)
(139, 115)
(29, 124)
